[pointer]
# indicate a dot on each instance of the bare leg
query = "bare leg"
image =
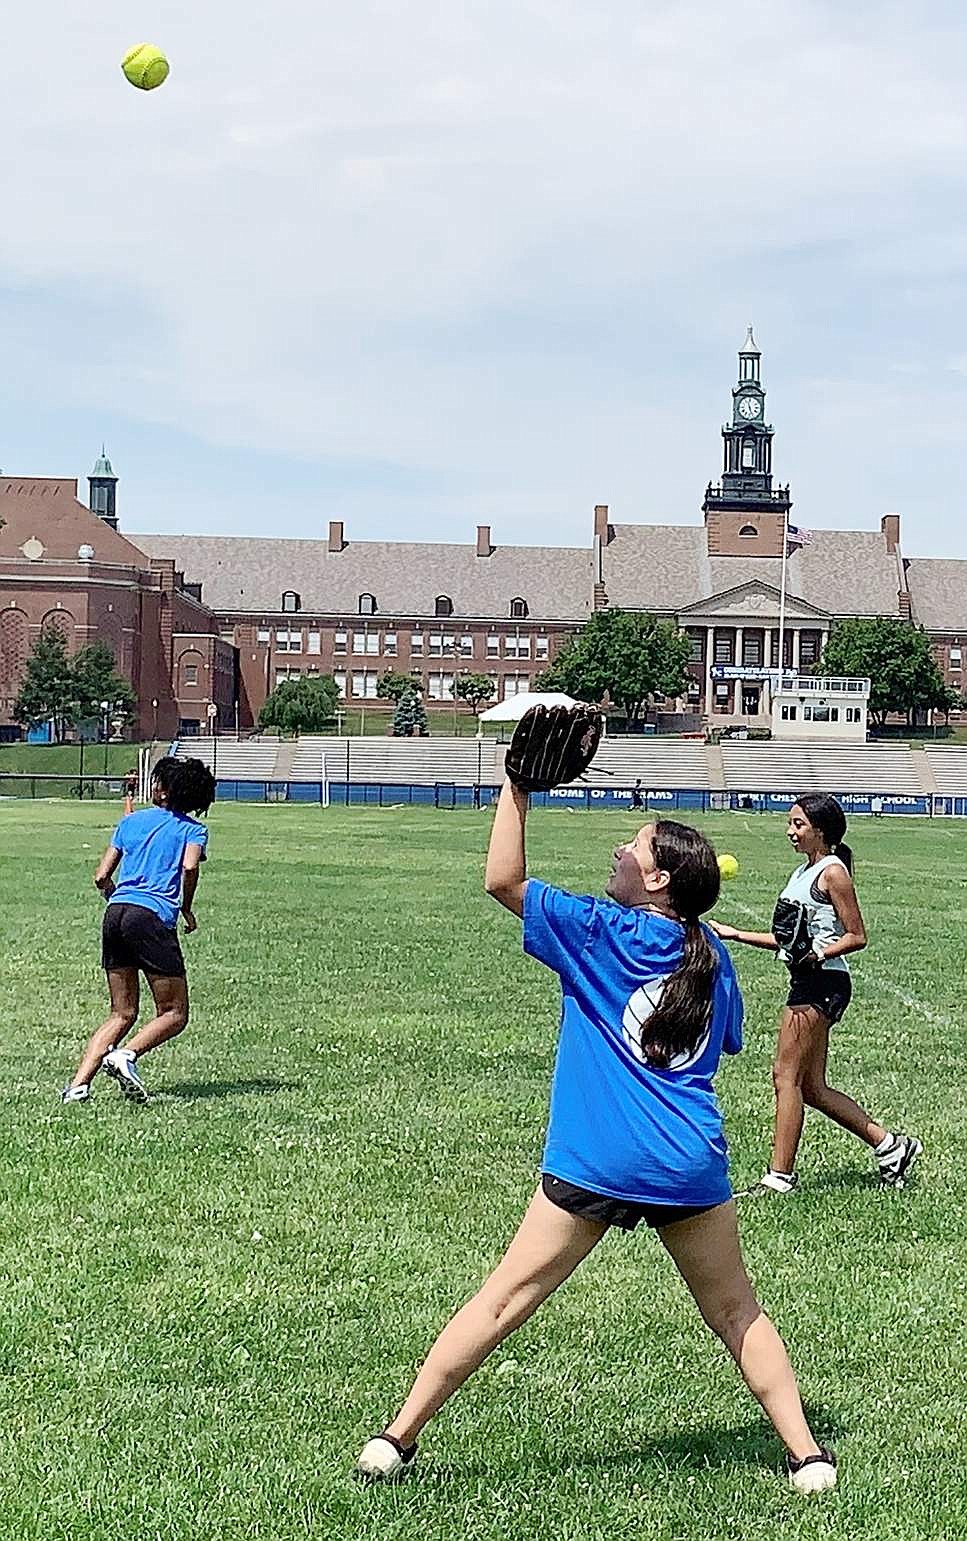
(124, 986)
(706, 1253)
(171, 1013)
(545, 1251)
(836, 1105)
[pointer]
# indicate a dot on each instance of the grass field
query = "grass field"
(208, 1303)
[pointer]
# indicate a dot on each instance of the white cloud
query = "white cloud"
(432, 235)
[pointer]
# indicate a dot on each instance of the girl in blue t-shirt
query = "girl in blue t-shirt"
(650, 1002)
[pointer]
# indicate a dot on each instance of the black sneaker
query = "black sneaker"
(384, 1459)
(814, 1473)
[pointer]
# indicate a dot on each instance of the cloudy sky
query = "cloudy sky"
(421, 266)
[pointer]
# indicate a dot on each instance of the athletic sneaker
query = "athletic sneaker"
(80, 1093)
(773, 1183)
(119, 1065)
(813, 1474)
(896, 1161)
(384, 1459)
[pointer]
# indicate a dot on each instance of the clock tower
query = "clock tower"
(746, 487)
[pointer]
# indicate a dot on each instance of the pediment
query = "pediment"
(752, 601)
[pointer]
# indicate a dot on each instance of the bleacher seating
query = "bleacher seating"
(309, 759)
(658, 763)
(949, 767)
(247, 760)
(812, 767)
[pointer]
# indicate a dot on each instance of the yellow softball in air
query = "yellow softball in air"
(728, 866)
(145, 66)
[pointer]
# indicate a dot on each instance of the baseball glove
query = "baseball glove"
(552, 746)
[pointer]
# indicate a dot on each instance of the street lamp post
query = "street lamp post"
(154, 729)
(105, 709)
(213, 725)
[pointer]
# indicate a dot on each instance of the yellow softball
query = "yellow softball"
(145, 67)
(728, 866)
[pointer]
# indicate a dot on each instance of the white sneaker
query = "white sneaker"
(80, 1093)
(772, 1183)
(896, 1162)
(813, 1474)
(119, 1065)
(384, 1459)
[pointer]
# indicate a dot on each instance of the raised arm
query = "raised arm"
(107, 866)
(506, 877)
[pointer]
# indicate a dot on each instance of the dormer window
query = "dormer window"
(367, 604)
(443, 605)
(749, 530)
(291, 602)
(518, 609)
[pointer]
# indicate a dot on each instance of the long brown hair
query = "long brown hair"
(682, 1015)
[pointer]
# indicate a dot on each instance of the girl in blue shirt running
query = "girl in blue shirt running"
(650, 1002)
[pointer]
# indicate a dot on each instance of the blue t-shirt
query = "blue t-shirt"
(152, 843)
(619, 1126)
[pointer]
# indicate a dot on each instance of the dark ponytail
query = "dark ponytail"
(825, 814)
(676, 1026)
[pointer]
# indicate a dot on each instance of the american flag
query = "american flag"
(798, 537)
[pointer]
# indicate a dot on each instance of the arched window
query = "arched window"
(443, 605)
(291, 601)
(518, 609)
(748, 529)
(748, 454)
(367, 604)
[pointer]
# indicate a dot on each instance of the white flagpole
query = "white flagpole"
(782, 597)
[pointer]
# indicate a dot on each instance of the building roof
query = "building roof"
(241, 574)
(938, 593)
(667, 567)
(46, 509)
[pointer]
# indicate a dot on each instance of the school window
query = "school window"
(493, 647)
(440, 687)
(466, 647)
(540, 647)
(288, 641)
(367, 604)
(366, 642)
(696, 641)
(291, 601)
(518, 609)
(443, 605)
(955, 657)
(228, 635)
(725, 647)
(281, 675)
(789, 713)
(752, 649)
(263, 634)
(191, 674)
(436, 645)
(340, 677)
(364, 684)
(416, 644)
(389, 644)
(516, 685)
(808, 648)
(339, 642)
(315, 642)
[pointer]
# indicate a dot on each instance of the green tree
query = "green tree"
(623, 654)
(898, 660)
(410, 717)
(393, 687)
(96, 679)
(306, 705)
(475, 689)
(48, 689)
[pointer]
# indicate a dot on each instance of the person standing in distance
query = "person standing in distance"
(156, 855)
(817, 923)
(650, 1002)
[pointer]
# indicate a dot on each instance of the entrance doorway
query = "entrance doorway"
(750, 700)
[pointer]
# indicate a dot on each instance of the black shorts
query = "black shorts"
(620, 1212)
(825, 989)
(135, 937)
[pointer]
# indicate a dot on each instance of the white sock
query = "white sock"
(886, 1144)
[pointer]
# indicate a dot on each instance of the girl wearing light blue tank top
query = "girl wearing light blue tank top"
(650, 1002)
(817, 924)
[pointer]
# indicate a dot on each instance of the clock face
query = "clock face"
(749, 407)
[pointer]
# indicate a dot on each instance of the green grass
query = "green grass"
(207, 1304)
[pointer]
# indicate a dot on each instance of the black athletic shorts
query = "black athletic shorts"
(825, 989)
(135, 937)
(619, 1212)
